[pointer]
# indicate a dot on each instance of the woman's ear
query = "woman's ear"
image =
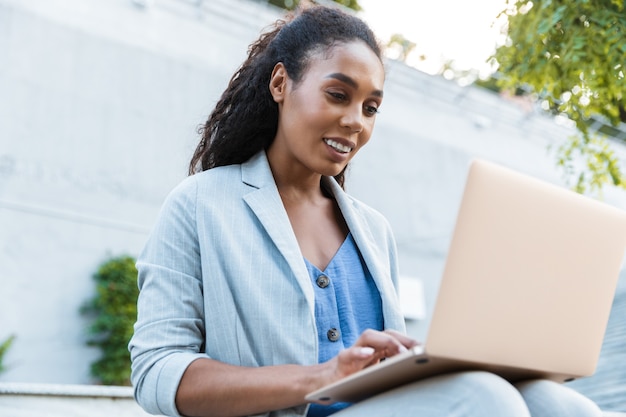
(278, 82)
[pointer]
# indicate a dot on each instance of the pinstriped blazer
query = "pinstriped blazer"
(222, 276)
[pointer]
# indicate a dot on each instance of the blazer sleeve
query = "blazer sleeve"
(168, 334)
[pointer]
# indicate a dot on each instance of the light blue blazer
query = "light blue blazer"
(222, 276)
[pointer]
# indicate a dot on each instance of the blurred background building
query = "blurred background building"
(99, 107)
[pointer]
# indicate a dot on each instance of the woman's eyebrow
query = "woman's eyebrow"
(351, 82)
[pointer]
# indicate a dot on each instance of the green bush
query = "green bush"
(113, 312)
(4, 347)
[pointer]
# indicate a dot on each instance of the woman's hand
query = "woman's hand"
(209, 387)
(370, 348)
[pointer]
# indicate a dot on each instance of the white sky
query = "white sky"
(465, 31)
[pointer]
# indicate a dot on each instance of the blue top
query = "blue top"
(347, 302)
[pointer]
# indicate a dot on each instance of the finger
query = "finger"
(386, 344)
(407, 341)
(357, 354)
(361, 352)
(365, 352)
(355, 358)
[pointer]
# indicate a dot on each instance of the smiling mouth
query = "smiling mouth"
(337, 146)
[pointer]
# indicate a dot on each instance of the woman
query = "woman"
(262, 280)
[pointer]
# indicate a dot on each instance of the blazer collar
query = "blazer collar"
(267, 205)
(361, 232)
(256, 172)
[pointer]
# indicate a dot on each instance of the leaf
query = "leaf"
(4, 347)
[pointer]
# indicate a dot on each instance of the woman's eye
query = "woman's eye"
(337, 96)
(371, 110)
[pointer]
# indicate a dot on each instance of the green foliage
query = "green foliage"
(403, 46)
(292, 4)
(570, 53)
(4, 347)
(113, 311)
(602, 166)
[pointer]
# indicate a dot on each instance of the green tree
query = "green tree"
(570, 54)
(292, 4)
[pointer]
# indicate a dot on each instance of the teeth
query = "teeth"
(338, 146)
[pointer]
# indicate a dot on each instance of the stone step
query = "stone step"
(51, 400)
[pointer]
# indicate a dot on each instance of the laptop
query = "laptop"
(526, 290)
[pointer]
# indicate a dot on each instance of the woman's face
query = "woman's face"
(327, 116)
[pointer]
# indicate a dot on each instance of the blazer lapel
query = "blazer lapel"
(366, 244)
(266, 204)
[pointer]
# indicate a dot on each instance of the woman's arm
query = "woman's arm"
(212, 388)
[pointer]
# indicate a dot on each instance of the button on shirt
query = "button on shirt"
(347, 302)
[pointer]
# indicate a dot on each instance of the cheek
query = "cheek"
(366, 135)
(304, 113)
(364, 138)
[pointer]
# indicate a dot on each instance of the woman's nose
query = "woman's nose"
(353, 119)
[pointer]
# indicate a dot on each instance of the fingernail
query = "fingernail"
(367, 351)
(403, 348)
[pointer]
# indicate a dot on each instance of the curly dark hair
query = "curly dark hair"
(245, 119)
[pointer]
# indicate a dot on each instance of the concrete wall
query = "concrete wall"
(99, 104)
(98, 113)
